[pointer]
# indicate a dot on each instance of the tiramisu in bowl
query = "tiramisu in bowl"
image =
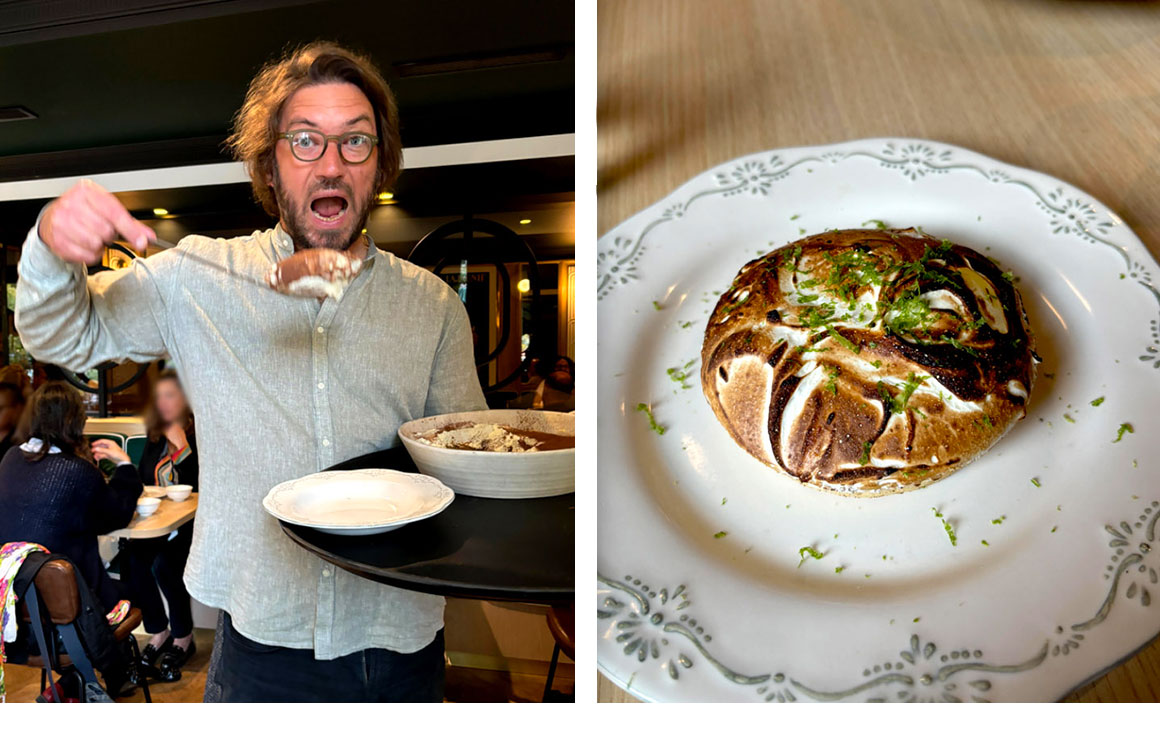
(502, 453)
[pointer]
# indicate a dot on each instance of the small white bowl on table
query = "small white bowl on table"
(147, 506)
(485, 474)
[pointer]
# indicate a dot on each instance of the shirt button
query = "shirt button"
(326, 443)
(326, 571)
(321, 386)
(321, 330)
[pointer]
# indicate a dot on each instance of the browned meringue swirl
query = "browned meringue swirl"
(868, 361)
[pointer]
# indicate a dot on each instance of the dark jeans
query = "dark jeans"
(158, 562)
(248, 671)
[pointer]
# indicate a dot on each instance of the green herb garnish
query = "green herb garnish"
(1067, 418)
(839, 569)
(658, 306)
(720, 534)
(897, 404)
(1125, 428)
(865, 458)
(1035, 482)
(1098, 401)
(876, 223)
(843, 341)
(652, 421)
(985, 543)
(832, 382)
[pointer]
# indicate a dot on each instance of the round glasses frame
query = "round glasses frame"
(289, 136)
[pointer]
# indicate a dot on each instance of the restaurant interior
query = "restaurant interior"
(141, 99)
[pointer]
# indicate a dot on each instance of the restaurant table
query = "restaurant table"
(1066, 88)
(478, 548)
(169, 516)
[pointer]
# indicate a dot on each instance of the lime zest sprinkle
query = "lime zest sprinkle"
(1098, 401)
(1053, 529)
(947, 526)
(1067, 418)
(878, 223)
(865, 458)
(652, 420)
(1124, 428)
(808, 551)
(681, 375)
(1035, 482)
(720, 534)
(1000, 520)
(658, 306)
(985, 543)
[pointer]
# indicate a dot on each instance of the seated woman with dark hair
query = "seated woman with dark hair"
(156, 566)
(53, 494)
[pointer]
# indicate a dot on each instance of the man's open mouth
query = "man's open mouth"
(329, 209)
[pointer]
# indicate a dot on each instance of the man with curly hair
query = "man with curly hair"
(282, 386)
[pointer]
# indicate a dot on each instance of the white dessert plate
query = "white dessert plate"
(358, 502)
(705, 591)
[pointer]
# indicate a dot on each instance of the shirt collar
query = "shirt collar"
(35, 443)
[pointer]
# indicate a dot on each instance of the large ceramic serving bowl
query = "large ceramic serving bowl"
(497, 474)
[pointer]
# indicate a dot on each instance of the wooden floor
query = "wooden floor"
(463, 684)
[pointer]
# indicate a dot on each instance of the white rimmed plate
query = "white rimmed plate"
(702, 593)
(358, 502)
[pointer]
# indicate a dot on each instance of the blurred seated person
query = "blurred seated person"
(155, 566)
(11, 409)
(53, 494)
(557, 391)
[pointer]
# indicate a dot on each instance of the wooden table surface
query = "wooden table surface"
(1067, 87)
(169, 516)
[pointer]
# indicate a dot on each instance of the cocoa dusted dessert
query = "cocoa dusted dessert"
(869, 362)
(495, 438)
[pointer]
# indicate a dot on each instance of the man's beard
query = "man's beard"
(296, 216)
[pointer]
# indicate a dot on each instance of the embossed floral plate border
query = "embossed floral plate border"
(706, 590)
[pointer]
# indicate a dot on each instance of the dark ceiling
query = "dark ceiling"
(129, 85)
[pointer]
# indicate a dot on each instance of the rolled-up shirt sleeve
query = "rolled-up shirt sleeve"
(67, 318)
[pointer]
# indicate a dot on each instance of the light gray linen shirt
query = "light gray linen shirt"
(281, 387)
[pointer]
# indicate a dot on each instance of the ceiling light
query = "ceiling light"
(386, 195)
(160, 212)
(524, 285)
(525, 221)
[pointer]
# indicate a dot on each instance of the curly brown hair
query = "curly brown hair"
(256, 123)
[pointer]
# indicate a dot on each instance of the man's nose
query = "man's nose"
(331, 164)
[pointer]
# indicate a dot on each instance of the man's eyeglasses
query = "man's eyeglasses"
(308, 145)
